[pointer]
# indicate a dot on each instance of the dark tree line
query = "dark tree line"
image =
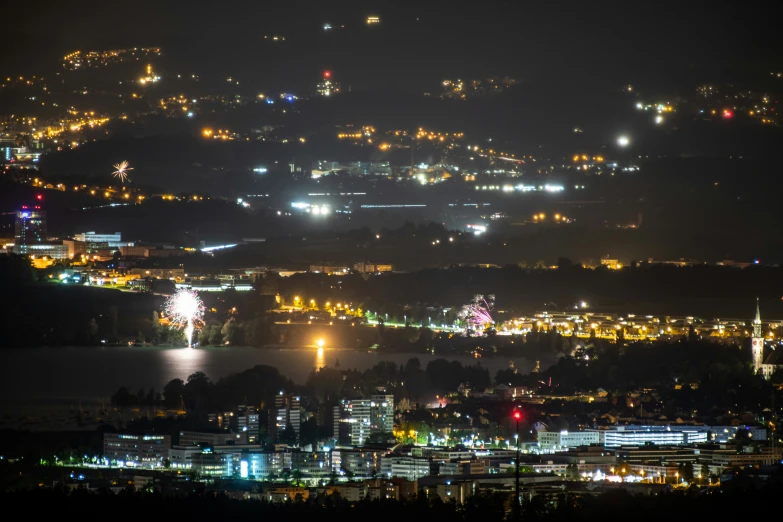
(196, 502)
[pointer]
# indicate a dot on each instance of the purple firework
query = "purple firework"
(477, 314)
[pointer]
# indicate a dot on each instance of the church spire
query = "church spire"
(757, 320)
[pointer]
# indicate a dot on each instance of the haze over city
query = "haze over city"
(506, 260)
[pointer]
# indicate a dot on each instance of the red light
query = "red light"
(517, 415)
(37, 207)
(24, 207)
(728, 114)
(39, 197)
(327, 74)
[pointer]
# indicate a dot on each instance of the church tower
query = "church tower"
(757, 341)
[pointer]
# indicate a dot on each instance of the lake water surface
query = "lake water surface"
(38, 379)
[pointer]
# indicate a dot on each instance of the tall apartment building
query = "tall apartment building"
(287, 412)
(245, 419)
(368, 416)
(30, 226)
(329, 417)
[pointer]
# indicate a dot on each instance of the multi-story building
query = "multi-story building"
(43, 250)
(247, 420)
(659, 435)
(357, 462)
(30, 225)
(264, 465)
(372, 268)
(561, 440)
(328, 269)
(136, 450)
(366, 417)
(329, 417)
(212, 464)
(76, 249)
(98, 241)
(410, 468)
(315, 464)
(287, 413)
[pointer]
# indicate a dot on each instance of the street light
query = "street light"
(517, 507)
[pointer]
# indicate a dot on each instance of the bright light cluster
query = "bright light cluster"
(185, 310)
(121, 171)
(477, 315)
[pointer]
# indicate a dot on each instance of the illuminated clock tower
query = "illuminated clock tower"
(757, 341)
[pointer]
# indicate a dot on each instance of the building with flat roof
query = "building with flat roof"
(42, 250)
(366, 417)
(410, 468)
(102, 240)
(136, 450)
(658, 435)
(561, 440)
(30, 226)
(372, 268)
(286, 414)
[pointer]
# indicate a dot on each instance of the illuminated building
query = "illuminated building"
(262, 465)
(559, 440)
(75, 248)
(286, 413)
(658, 435)
(211, 464)
(410, 468)
(359, 463)
(327, 86)
(101, 240)
(373, 20)
(30, 225)
(757, 342)
(368, 416)
(327, 269)
(372, 268)
(43, 250)
(136, 450)
(761, 365)
(246, 420)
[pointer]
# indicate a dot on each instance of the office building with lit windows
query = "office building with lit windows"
(136, 450)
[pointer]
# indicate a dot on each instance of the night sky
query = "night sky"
(651, 42)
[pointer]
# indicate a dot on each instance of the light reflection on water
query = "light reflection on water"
(61, 377)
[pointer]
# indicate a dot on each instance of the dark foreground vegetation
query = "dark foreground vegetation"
(740, 501)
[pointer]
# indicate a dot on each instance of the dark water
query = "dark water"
(49, 379)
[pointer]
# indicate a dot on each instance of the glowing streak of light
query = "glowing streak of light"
(477, 314)
(185, 310)
(121, 171)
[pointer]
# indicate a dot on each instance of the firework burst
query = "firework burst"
(185, 310)
(477, 314)
(121, 171)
